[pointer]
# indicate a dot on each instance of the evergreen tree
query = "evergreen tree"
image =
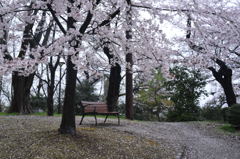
(186, 89)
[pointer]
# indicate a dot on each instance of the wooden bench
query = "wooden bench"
(96, 108)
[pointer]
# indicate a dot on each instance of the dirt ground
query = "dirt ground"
(36, 137)
(192, 140)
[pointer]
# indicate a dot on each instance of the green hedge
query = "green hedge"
(234, 115)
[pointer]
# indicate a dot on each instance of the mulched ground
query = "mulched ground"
(36, 137)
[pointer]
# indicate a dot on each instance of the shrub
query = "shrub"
(185, 88)
(143, 112)
(175, 116)
(172, 116)
(224, 113)
(234, 115)
(212, 113)
(38, 103)
(151, 98)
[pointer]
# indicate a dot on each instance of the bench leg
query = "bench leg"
(81, 119)
(95, 119)
(106, 118)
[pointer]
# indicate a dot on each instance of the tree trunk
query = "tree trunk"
(129, 60)
(21, 84)
(229, 92)
(50, 94)
(68, 117)
(129, 89)
(39, 87)
(114, 87)
(224, 77)
(114, 80)
(21, 93)
(59, 109)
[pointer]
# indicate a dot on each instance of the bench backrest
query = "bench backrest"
(99, 107)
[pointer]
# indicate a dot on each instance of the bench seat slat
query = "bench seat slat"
(101, 113)
(92, 103)
(97, 108)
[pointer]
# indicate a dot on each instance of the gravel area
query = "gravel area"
(192, 140)
(36, 137)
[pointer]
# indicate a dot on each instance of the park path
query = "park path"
(190, 140)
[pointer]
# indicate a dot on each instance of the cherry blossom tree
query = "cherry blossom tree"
(29, 25)
(211, 37)
(79, 22)
(115, 35)
(96, 25)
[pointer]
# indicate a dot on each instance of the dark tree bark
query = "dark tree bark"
(40, 86)
(129, 89)
(59, 108)
(50, 91)
(129, 60)
(114, 87)
(115, 71)
(21, 93)
(22, 85)
(51, 84)
(114, 81)
(68, 116)
(224, 77)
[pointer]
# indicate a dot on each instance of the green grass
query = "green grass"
(3, 113)
(228, 128)
(109, 117)
(59, 115)
(45, 114)
(37, 114)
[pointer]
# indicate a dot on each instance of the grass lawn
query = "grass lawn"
(230, 129)
(56, 114)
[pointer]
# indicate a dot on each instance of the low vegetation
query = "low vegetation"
(234, 116)
(228, 128)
